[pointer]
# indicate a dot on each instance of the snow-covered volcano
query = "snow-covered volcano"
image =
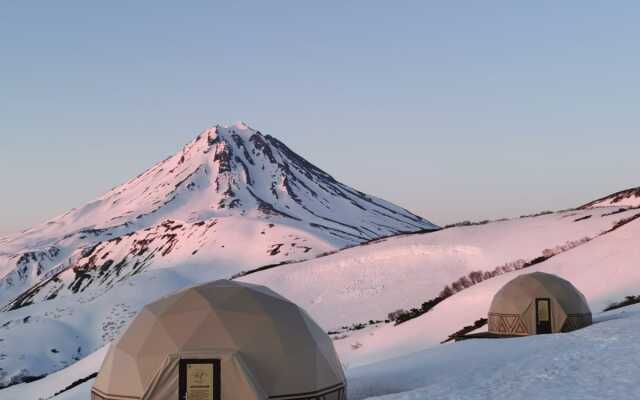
(232, 171)
(232, 189)
(229, 201)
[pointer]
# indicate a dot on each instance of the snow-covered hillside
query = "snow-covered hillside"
(597, 362)
(624, 198)
(229, 201)
(95, 320)
(605, 270)
(370, 281)
(337, 289)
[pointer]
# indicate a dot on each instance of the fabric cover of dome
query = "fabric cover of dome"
(265, 346)
(513, 309)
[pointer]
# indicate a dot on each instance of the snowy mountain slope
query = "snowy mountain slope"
(232, 171)
(51, 384)
(336, 289)
(367, 282)
(226, 174)
(354, 285)
(624, 198)
(214, 244)
(605, 270)
(49, 336)
(231, 200)
(93, 318)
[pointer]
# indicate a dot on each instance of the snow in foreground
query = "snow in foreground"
(598, 362)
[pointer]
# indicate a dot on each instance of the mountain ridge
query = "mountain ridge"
(226, 173)
(624, 198)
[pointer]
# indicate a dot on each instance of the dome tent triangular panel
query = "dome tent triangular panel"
(538, 303)
(253, 342)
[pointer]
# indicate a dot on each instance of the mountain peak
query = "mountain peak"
(218, 133)
(229, 201)
(234, 170)
(241, 125)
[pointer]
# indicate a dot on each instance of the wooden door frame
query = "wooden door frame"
(548, 300)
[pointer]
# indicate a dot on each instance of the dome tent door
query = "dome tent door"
(543, 316)
(199, 379)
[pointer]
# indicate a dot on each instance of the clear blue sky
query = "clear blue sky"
(455, 110)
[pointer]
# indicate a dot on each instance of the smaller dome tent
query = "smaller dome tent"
(538, 303)
(222, 340)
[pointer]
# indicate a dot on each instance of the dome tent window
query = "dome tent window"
(242, 341)
(538, 303)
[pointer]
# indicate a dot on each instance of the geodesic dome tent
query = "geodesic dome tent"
(538, 303)
(223, 340)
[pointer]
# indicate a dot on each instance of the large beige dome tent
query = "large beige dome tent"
(538, 303)
(221, 341)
